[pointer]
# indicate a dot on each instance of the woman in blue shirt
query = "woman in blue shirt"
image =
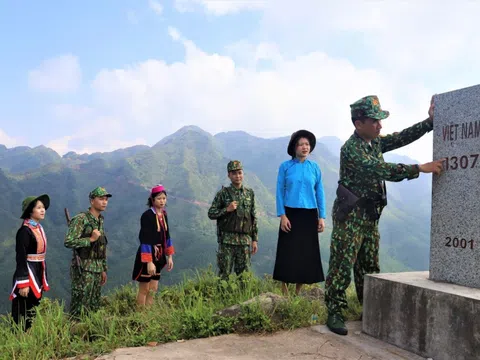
(301, 207)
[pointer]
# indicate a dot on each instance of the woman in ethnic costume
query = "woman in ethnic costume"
(301, 206)
(156, 249)
(30, 278)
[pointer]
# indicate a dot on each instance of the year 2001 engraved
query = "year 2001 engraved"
(459, 243)
(462, 162)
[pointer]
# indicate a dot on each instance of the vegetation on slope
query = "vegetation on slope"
(187, 310)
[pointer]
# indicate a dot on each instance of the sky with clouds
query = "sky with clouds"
(100, 75)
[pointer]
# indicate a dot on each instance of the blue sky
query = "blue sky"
(126, 67)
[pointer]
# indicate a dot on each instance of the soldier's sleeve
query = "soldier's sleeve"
(320, 194)
(405, 137)
(254, 219)
(73, 239)
(218, 208)
(370, 167)
(104, 265)
(280, 190)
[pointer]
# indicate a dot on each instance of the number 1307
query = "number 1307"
(463, 162)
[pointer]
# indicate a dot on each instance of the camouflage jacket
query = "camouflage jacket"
(363, 169)
(218, 211)
(83, 224)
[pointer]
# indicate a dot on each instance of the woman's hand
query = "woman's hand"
(151, 268)
(321, 225)
(169, 263)
(285, 224)
(24, 291)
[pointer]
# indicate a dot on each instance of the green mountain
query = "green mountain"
(191, 163)
(23, 158)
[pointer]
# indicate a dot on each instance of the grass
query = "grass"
(183, 311)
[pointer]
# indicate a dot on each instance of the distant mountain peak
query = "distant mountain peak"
(184, 131)
(190, 128)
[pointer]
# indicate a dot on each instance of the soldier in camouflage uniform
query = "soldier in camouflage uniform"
(88, 271)
(237, 229)
(361, 197)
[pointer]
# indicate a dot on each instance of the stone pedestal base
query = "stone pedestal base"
(434, 320)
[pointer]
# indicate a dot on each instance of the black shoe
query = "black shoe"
(336, 324)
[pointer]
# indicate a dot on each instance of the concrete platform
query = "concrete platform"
(314, 343)
(431, 319)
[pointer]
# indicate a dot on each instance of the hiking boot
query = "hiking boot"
(336, 324)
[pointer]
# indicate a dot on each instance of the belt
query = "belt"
(36, 257)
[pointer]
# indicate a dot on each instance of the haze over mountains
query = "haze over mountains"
(191, 163)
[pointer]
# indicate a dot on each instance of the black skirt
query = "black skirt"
(140, 272)
(298, 251)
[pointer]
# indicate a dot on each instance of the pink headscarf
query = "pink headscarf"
(157, 189)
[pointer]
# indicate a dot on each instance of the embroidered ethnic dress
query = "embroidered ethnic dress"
(31, 269)
(155, 244)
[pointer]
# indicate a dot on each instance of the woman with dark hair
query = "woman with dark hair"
(30, 278)
(156, 249)
(301, 207)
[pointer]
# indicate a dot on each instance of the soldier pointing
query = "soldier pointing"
(361, 197)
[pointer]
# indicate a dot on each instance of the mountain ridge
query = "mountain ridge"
(191, 163)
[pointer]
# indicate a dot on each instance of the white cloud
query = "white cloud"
(220, 7)
(86, 145)
(403, 37)
(7, 140)
(174, 33)
(59, 74)
(156, 6)
(93, 132)
(60, 145)
(210, 90)
(311, 62)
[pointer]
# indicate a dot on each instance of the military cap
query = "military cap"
(98, 192)
(234, 165)
(368, 107)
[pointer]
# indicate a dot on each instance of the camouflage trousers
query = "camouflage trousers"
(232, 256)
(86, 291)
(354, 245)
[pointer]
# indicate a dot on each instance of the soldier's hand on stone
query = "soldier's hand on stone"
(435, 167)
(285, 224)
(254, 247)
(24, 291)
(232, 206)
(151, 268)
(431, 109)
(95, 235)
(104, 279)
